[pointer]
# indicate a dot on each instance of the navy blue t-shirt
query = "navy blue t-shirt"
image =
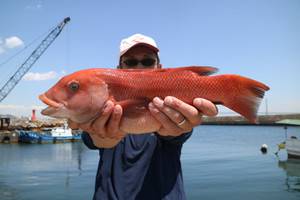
(140, 167)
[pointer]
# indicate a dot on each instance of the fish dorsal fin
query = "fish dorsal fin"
(137, 70)
(200, 70)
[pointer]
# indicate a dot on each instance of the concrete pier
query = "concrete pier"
(8, 137)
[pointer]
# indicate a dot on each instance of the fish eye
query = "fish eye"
(74, 86)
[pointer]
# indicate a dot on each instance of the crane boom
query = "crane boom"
(24, 68)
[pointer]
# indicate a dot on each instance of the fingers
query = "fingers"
(113, 126)
(72, 125)
(205, 106)
(169, 127)
(174, 115)
(177, 116)
(100, 122)
(173, 121)
(188, 112)
(107, 125)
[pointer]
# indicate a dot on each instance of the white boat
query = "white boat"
(292, 142)
(49, 135)
(61, 132)
(292, 146)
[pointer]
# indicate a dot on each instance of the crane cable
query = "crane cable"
(26, 46)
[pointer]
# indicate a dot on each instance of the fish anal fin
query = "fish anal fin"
(136, 118)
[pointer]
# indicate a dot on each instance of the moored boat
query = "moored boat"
(292, 146)
(49, 135)
(291, 143)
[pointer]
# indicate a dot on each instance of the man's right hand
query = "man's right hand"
(104, 130)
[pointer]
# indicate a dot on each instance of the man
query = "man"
(145, 166)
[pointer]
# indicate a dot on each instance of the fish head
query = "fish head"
(79, 97)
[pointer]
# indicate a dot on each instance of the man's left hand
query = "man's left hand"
(178, 117)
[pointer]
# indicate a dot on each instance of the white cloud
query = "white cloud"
(35, 5)
(2, 50)
(10, 106)
(31, 76)
(22, 107)
(13, 42)
(10, 43)
(20, 110)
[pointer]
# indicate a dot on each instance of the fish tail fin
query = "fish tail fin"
(246, 96)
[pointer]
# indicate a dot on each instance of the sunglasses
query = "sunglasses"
(134, 62)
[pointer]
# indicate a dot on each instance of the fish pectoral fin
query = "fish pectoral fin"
(133, 102)
(134, 108)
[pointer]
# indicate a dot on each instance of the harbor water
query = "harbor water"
(219, 162)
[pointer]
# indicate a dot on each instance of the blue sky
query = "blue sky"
(254, 38)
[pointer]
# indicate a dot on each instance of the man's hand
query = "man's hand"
(178, 117)
(104, 130)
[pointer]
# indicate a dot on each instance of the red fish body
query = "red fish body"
(81, 96)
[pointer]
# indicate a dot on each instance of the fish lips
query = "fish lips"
(53, 107)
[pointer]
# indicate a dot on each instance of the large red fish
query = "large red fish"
(81, 96)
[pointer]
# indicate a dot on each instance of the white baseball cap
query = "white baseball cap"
(137, 39)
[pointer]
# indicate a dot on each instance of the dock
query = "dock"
(266, 120)
(12, 128)
(9, 132)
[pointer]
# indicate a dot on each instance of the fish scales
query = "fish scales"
(81, 96)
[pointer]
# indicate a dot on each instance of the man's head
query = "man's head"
(137, 52)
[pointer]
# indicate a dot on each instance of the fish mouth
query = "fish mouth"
(53, 106)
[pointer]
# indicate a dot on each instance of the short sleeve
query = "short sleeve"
(179, 140)
(87, 140)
